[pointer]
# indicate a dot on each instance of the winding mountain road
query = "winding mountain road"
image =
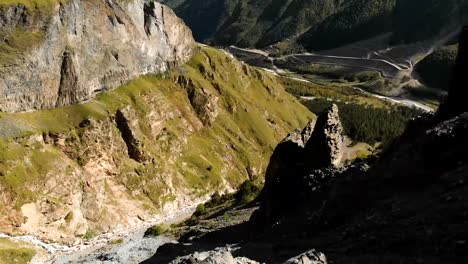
(387, 68)
(261, 57)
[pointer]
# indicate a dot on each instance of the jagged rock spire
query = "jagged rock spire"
(325, 146)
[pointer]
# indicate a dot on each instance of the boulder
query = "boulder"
(216, 256)
(310, 257)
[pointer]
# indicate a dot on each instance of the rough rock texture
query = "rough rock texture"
(127, 122)
(217, 256)
(326, 142)
(413, 159)
(68, 54)
(310, 257)
(303, 161)
(203, 101)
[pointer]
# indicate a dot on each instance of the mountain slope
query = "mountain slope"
(358, 20)
(151, 147)
(436, 69)
(321, 24)
(250, 23)
(406, 205)
(432, 18)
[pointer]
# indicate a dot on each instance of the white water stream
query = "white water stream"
(58, 253)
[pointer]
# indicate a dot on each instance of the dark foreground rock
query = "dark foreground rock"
(407, 206)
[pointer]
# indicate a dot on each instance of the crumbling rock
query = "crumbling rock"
(127, 122)
(217, 256)
(325, 146)
(300, 164)
(310, 257)
(204, 102)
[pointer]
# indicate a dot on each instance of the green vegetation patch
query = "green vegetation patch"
(14, 253)
(156, 230)
(32, 5)
(16, 43)
(437, 68)
(366, 123)
(253, 113)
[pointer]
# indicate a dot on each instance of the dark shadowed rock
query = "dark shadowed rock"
(456, 101)
(301, 164)
(325, 146)
(285, 162)
(307, 131)
(421, 157)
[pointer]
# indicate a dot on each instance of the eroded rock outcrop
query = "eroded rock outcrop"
(325, 145)
(127, 122)
(310, 257)
(203, 101)
(302, 162)
(217, 256)
(63, 56)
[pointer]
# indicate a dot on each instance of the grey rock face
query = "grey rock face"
(127, 122)
(325, 146)
(307, 131)
(310, 257)
(204, 102)
(87, 47)
(217, 256)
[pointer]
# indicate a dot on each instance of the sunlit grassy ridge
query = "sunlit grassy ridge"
(33, 4)
(12, 252)
(254, 114)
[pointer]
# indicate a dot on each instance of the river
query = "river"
(122, 246)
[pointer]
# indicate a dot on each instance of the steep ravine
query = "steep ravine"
(144, 150)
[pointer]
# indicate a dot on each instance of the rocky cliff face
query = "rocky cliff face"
(67, 52)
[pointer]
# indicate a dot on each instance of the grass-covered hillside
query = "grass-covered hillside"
(158, 143)
(13, 252)
(436, 69)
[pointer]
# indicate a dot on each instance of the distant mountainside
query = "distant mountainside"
(319, 24)
(358, 20)
(421, 19)
(436, 69)
(251, 23)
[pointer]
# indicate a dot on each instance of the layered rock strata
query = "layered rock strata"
(65, 54)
